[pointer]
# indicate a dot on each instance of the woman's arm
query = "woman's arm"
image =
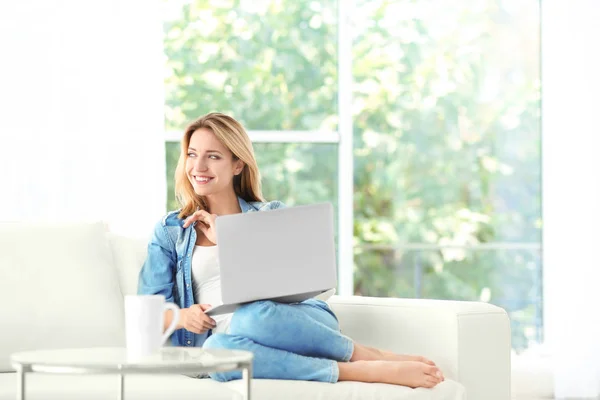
(156, 276)
(192, 319)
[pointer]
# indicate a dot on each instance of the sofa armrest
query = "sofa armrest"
(469, 341)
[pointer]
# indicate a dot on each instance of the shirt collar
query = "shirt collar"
(245, 206)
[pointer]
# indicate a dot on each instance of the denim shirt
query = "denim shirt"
(168, 266)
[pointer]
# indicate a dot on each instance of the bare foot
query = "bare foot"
(389, 356)
(362, 352)
(413, 374)
(366, 353)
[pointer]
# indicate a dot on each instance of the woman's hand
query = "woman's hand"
(194, 320)
(206, 223)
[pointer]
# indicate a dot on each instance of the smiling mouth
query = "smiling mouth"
(202, 179)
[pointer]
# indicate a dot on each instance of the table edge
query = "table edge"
(118, 369)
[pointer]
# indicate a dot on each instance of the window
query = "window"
(445, 105)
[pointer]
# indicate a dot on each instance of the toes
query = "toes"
(432, 381)
(434, 373)
(429, 383)
(426, 360)
(432, 370)
(440, 374)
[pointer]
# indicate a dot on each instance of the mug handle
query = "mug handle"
(173, 307)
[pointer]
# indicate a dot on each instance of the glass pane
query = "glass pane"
(447, 146)
(270, 64)
(447, 125)
(293, 173)
(298, 173)
(509, 278)
(172, 150)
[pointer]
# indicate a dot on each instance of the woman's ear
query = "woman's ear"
(239, 167)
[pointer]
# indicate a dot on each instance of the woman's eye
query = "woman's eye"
(213, 157)
(191, 154)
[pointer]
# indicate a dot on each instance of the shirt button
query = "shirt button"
(189, 342)
(188, 285)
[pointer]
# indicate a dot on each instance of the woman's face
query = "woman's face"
(209, 165)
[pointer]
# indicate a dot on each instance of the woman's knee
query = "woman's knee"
(320, 311)
(252, 317)
(219, 341)
(256, 308)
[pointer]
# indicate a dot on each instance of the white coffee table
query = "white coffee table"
(169, 360)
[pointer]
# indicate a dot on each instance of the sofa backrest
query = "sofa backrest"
(129, 255)
(59, 288)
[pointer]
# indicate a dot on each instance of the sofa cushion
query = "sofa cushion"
(151, 387)
(59, 288)
(265, 389)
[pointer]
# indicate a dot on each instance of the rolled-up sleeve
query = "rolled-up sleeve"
(157, 274)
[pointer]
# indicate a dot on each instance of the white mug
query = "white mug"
(144, 323)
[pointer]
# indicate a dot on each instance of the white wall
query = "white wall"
(81, 112)
(571, 192)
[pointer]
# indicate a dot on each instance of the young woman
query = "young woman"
(217, 175)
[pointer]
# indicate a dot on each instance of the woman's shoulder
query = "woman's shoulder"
(168, 229)
(172, 219)
(267, 205)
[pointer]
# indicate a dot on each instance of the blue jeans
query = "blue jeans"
(300, 341)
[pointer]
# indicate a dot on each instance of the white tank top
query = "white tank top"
(206, 279)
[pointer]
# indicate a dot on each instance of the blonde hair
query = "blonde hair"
(233, 136)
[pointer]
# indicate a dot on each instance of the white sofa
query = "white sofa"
(62, 285)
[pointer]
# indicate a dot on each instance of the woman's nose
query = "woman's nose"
(200, 165)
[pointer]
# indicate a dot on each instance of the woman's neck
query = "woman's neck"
(223, 203)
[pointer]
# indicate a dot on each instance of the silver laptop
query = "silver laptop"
(285, 255)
